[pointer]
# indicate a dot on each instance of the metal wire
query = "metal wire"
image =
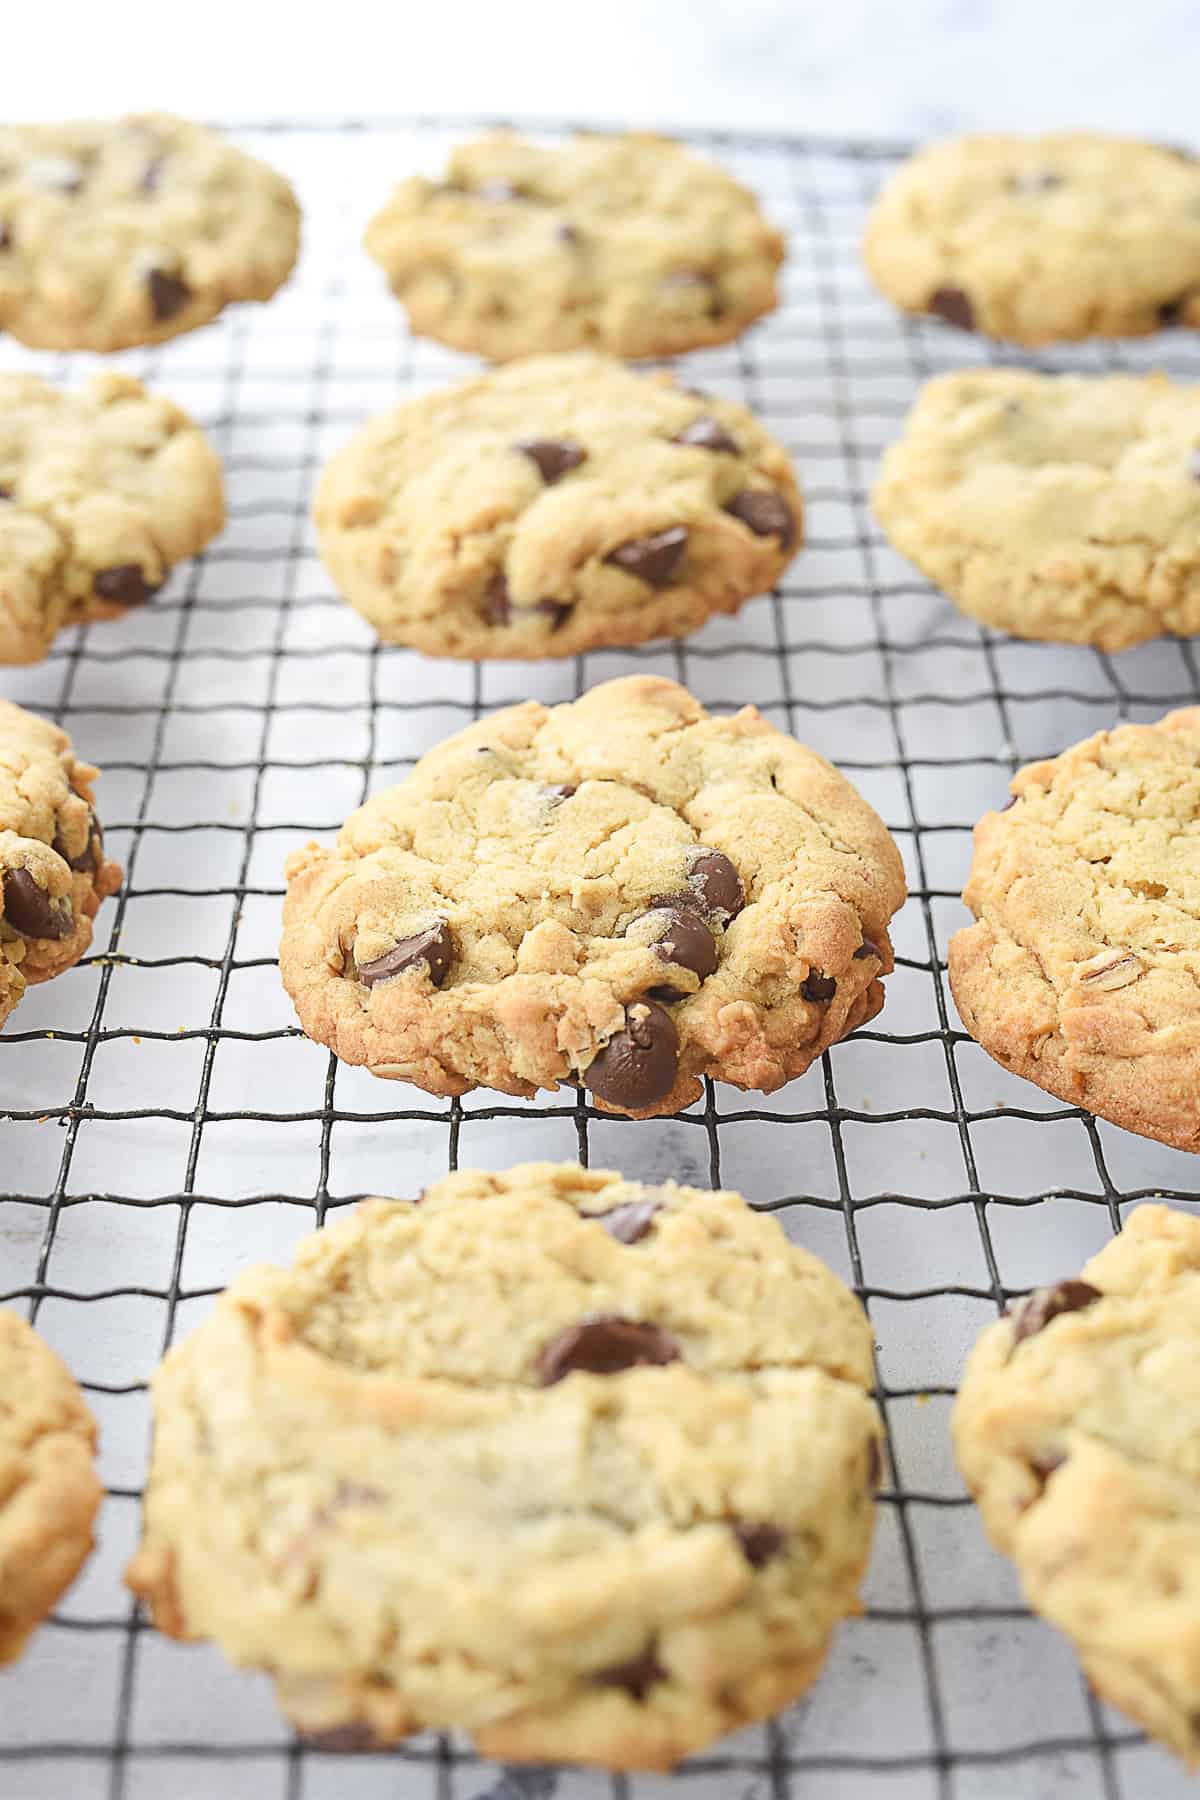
(249, 709)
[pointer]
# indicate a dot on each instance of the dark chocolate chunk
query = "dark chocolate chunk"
(865, 949)
(758, 1543)
(431, 949)
(687, 942)
(89, 856)
(628, 1223)
(707, 433)
(637, 1067)
(497, 607)
(653, 559)
(1046, 1303)
(125, 584)
(952, 305)
(637, 1676)
(819, 988)
(30, 910)
(603, 1345)
(717, 883)
(169, 293)
(555, 457)
(767, 514)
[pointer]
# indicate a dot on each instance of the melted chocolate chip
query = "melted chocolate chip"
(125, 584)
(431, 949)
(603, 1345)
(90, 855)
(766, 514)
(653, 559)
(636, 1067)
(758, 1543)
(30, 910)
(707, 433)
(1044, 1304)
(561, 791)
(169, 293)
(717, 883)
(952, 305)
(865, 949)
(687, 942)
(629, 1223)
(819, 988)
(151, 176)
(555, 457)
(557, 611)
(637, 1676)
(497, 607)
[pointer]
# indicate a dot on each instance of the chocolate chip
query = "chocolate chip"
(1194, 465)
(89, 856)
(767, 514)
(497, 192)
(652, 559)
(717, 883)
(5, 493)
(125, 584)
(5, 235)
(687, 942)
(638, 1066)
(432, 949)
(557, 611)
(1044, 1304)
(629, 1223)
(951, 304)
(169, 293)
(819, 988)
(865, 949)
(340, 1739)
(151, 176)
(603, 1345)
(568, 234)
(758, 1543)
(555, 457)
(559, 792)
(707, 433)
(637, 1676)
(30, 910)
(497, 607)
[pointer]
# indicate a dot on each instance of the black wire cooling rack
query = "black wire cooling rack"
(164, 1122)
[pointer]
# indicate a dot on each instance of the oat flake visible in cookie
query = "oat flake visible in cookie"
(559, 505)
(567, 863)
(364, 1482)
(628, 244)
(1081, 1442)
(53, 869)
(1081, 972)
(1053, 506)
(115, 232)
(1042, 239)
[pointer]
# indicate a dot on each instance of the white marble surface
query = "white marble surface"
(917, 68)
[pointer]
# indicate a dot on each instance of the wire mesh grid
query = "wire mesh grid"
(165, 1123)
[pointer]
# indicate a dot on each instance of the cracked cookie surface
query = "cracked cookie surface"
(582, 1466)
(556, 506)
(1082, 971)
(1077, 1428)
(628, 244)
(1054, 507)
(101, 492)
(1042, 239)
(623, 891)
(53, 870)
(115, 232)
(49, 1494)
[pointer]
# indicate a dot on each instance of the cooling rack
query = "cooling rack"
(164, 1123)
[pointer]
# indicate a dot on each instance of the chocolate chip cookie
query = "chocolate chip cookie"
(584, 1467)
(53, 870)
(1053, 506)
(629, 244)
(116, 232)
(49, 1494)
(1078, 1431)
(556, 506)
(1081, 972)
(622, 892)
(101, 493)
(1042, 239)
